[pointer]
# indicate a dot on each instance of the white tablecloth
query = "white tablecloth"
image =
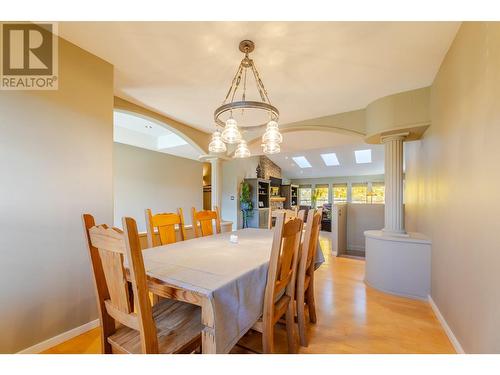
(233, 275)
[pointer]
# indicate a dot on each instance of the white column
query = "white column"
(394, 219)
(216, 178)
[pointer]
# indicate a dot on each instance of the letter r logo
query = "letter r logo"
(27, 49)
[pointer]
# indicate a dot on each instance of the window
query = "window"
(378, 192)
(305, 195)
(321, 195)
(302, 162)
(339, 193)
(363, 156)
(330, 159)
(358, 192)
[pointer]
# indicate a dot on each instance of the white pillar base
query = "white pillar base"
(398, 265)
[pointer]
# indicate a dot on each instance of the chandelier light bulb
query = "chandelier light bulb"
(216, 145)
(271, 148)
(231, 134)
(231, 122)
(242, 150)
(272, 124)
(272, 133)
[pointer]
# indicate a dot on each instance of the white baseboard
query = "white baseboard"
(446, 327)
(56, 340)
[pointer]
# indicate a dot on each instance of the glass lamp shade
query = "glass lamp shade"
(271, 148)
(242, 150)
(272, 133)
(216, 145)
(231, 134)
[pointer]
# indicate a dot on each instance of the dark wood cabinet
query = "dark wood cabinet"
(291, 194)
(260, 193)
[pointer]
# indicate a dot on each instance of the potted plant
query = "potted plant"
(246, 203)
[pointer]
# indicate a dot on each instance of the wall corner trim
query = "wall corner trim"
(446, 327)
(56, 340)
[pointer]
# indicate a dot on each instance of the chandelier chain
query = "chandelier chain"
(244, 86)
(237, 83)
(260, 84)
(232, 84)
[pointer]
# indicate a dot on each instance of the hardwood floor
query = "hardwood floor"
(352, 318)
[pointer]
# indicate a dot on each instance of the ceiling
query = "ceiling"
(343, 145)
(310, 69)
(140, 132)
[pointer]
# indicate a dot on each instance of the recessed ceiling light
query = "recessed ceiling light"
(330, 159)
(302, 162)
(363, 156)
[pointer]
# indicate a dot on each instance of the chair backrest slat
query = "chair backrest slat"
(114, 272)
(202, 222)
(165, 224)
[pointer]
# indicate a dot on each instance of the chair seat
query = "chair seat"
(178, 326)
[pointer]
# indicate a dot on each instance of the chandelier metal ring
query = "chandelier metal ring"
(273, 111)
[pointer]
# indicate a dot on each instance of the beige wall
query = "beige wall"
(56, 163)
(149, 179)
(452, 180)
(361, 217)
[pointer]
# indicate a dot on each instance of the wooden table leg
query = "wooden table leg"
(208, 345)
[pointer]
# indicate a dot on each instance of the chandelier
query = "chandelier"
(237, 112)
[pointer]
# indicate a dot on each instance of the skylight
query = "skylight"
(330, 159)
(363, 156)
(302, 162)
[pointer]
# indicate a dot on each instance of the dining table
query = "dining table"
(225, 276)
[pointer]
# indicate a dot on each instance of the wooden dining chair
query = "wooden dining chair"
(289, 214)
(168, 327)
(305, 275)
(320, 211)
(165, 224)
(280, 287)
(202, 222)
